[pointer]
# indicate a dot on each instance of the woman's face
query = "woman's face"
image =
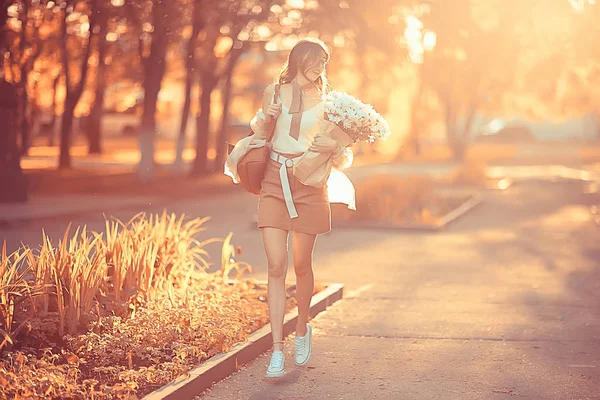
(316, 68)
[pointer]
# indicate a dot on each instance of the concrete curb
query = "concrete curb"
(222, 365)
(460, 211)
(441, 224)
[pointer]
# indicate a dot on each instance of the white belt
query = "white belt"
(285, 183)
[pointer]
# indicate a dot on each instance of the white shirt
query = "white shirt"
(310, 125)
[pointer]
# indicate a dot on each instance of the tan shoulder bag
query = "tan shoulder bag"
(251, 167)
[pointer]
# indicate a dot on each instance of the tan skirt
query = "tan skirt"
(312, 204)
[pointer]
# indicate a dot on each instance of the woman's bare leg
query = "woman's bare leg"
(276, 247)
(303, 245)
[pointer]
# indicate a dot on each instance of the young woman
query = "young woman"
(296, 104)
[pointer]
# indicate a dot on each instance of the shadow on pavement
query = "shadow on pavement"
(274, 384)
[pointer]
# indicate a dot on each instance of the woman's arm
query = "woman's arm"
(341, 154)
(261, 121)
(343, 158)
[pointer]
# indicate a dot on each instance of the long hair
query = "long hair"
(304, 56)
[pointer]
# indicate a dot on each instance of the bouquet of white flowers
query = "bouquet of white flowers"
(358, 120)
(347, 120)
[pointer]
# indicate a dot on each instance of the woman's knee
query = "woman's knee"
(302, 267)
(277, 268)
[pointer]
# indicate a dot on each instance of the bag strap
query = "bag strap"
(274, 121)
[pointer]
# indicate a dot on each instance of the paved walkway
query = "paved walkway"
(505, 303)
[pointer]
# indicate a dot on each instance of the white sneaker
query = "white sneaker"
(303, 347)
(276, 366)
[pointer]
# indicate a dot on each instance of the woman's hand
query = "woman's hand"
(274, 110)
(325, 144)
(256, 142)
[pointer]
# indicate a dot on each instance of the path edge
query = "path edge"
(222, 365)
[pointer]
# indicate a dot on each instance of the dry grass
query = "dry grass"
(77, 269)
(119, 313)
(471, 172)
(399, 201)
(395, 200)
(228, 263)
(14, 290)
(158, 254)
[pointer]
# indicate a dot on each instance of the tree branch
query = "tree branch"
(39, 43)
(133, 16)
(64, 50)
(85, 60)
(141, 51)
(23, 36)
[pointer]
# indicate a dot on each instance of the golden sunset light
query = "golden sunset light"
(299, 199)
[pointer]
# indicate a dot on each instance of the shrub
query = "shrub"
(128, 264)
(155, 254)
(470, 172)
(394, 199)
(14, 291)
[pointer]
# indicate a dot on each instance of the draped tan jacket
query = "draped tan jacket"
(339, 187)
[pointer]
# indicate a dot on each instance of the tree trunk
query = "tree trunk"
(459, 148)
(66, 121)
(455, 140)
(94, 127)
(416, 112)
(154, 70)
(14, 183)
(73, 95)
(190, 63)
(223, 135)
(185, 115)
(413, 137)
(459, 140)
(200, 166)
(4, 4)
(34, 110)
(66, 128)
(25, 140)
(466, 134)
(24, 125)
(52, 132)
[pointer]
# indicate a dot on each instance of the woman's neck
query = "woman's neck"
(301, 80)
